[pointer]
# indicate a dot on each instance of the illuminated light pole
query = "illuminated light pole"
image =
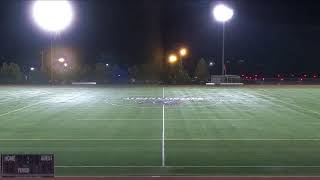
(172, 58)
(222, 13)
(183, 52)
(61, 60)
(52, 16)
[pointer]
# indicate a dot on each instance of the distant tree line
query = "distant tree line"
(10, 73)
(106, 73)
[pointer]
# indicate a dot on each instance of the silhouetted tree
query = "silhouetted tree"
(85, 72)
(133, 72)
(202, 72)
(100, 72)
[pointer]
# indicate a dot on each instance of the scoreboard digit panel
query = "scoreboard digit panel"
(27, 165)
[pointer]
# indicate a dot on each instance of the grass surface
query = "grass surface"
(97, 131)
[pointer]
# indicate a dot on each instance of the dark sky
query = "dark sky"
(270, 35)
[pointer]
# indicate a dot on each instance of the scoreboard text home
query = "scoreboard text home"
(27, 165)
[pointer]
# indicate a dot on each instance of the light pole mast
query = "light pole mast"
(51, 58)
(222, 13)
(42, 54)
(52, 16)
(223, 66)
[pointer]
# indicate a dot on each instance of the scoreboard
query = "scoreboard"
(13, 165)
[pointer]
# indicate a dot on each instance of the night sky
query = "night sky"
(271, 36)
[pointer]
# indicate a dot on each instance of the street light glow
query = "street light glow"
(65, 64)
(52, 15)
(222, 13)
(61, 60)
(183, 52)
(32, 69)
(173, 58)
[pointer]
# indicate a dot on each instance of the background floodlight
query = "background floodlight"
(222, 13)
(52, 15)
(183, 52)
(32, 69)
(65, 64)
(61, 60)
(173, 58)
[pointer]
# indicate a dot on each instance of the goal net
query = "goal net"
(220, 79)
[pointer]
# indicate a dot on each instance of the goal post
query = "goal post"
(226, 79)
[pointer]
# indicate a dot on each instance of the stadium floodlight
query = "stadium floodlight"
(173, 58)
(222, 13)
(52, 15)
(65, 64)
(183, 52)
(32, 68)
(61, 60)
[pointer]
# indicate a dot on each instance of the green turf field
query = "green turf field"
(266, 130)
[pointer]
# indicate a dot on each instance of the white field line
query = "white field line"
(97, 119)
(80, 139)
(25, 107)
(163, 135)
(283, 139)
(168, 139)
(284, 102)
(19, 109)
(266, 166)
(316, 123)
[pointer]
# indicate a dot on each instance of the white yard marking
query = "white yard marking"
(162, 139)
(208, 119)
(287, 103)
(25, 107)
(163, 135)
(19, 109)
(97, 119)
(79, 139)
(107, 166)
(118, 119)
(199, 139)
(284, 166)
